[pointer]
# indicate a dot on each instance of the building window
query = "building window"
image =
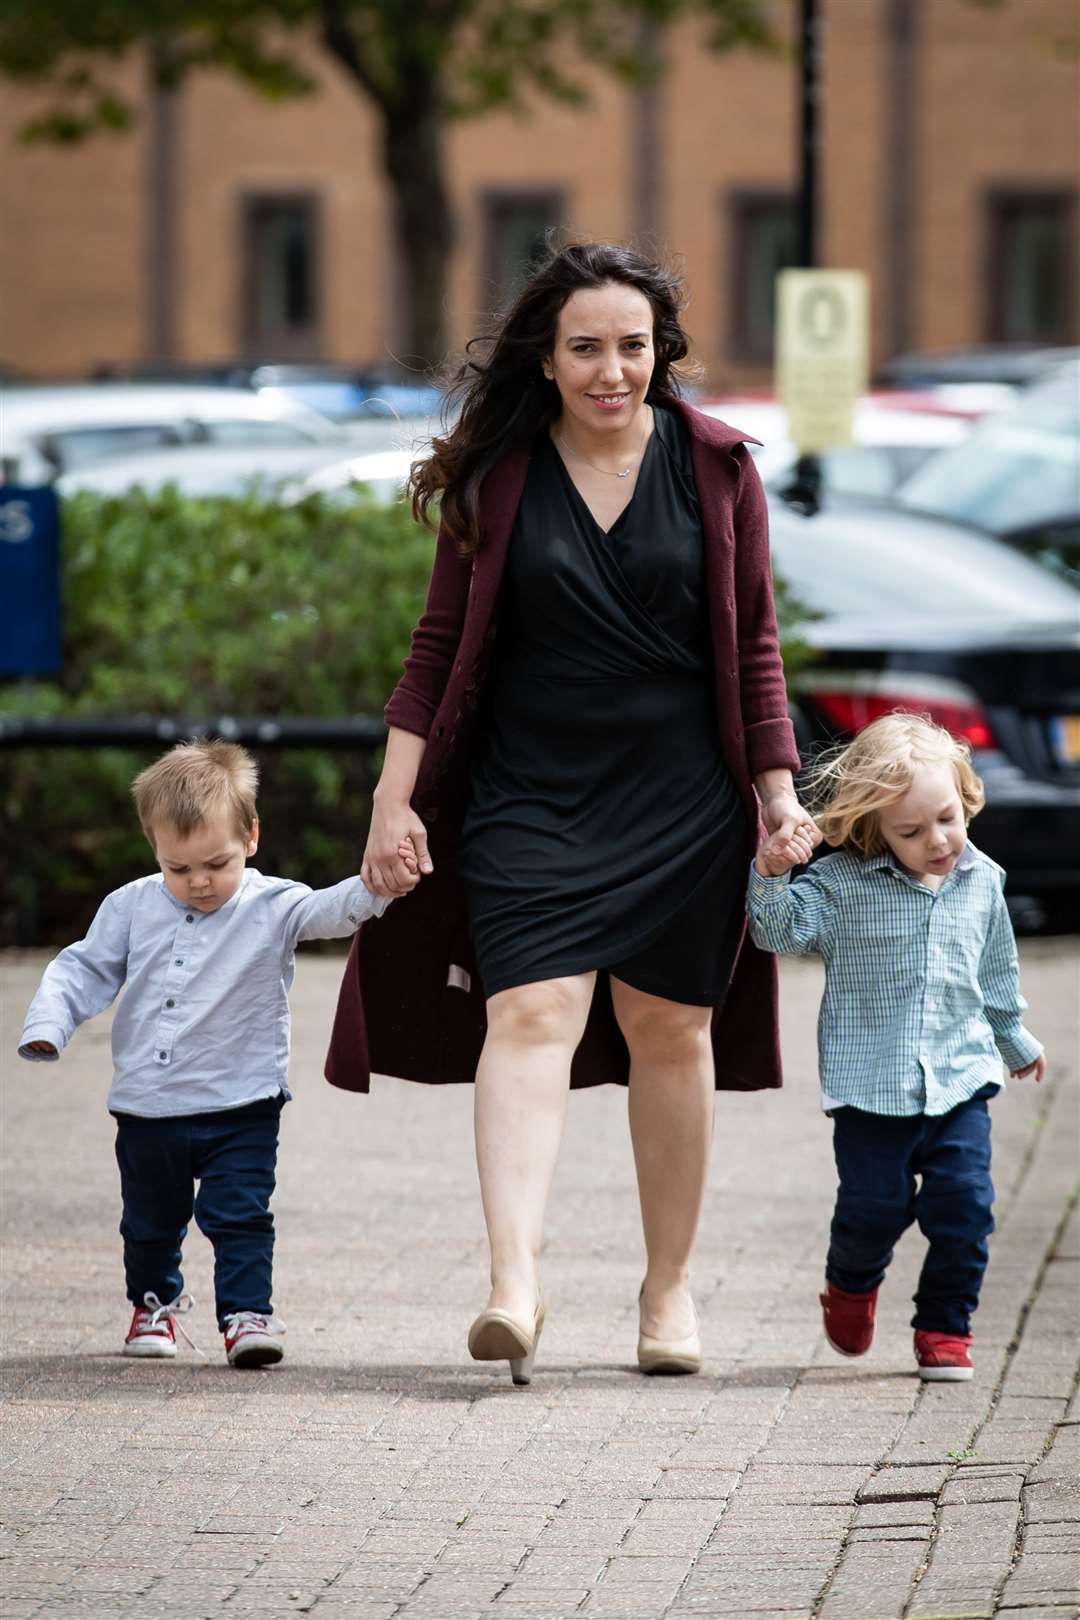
(516, 230)
(762, 229)
(281, 276)
(1032, 267)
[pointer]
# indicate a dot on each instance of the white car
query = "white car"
(48, 431)
(893, 435)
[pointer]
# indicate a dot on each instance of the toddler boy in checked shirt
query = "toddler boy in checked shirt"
(921, 1005)
(200, 1040)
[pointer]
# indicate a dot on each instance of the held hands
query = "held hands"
(396, 856)
(1034, 1071)
(792, 839)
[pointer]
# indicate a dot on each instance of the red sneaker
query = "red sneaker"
(943, 1357)
(848, 1319)
(252, 1339)
(151, 1333)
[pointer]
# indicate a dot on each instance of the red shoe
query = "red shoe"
(943, 1357)
(253, 1339)
(152, 1332)
(848, 1319)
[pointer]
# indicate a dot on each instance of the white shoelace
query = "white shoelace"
(257, 1320)
(172, 1312)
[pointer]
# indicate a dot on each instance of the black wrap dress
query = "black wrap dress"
(603, 830)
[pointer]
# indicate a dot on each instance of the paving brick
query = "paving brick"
(380, 1475)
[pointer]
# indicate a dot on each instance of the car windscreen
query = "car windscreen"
(255, 431)
(1015, 471)
(869, 562)
(78, 447)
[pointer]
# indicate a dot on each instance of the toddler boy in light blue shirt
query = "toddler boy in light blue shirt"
(200, 1040)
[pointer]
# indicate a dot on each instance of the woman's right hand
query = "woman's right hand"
(384, 870)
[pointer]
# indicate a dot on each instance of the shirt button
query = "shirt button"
(164, 1056)
(189, 917)
(179, 962)
(170, 1003)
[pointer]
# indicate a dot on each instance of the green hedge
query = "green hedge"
(201, 607)
(179, 606)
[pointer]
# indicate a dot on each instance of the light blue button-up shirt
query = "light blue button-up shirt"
(204, 1021)
(922, 995)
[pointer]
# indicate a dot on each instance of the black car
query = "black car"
(941, 619)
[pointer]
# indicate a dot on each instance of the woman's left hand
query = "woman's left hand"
(784, 816)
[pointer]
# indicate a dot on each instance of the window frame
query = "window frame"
(997, 201)
(304, 343)
(738, 204)
(493, 200)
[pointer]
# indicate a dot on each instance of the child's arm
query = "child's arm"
(787, 916)
(332, 913)
(999, 981)
(83, 980)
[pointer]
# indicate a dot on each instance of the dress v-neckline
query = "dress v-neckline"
(594, 520)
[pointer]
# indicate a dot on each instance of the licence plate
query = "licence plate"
(1065, 736)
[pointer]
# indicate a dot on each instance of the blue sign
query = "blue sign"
(29, 581)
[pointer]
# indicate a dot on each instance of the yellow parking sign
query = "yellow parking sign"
(821, 353)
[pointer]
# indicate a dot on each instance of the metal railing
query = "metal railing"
(358, 731)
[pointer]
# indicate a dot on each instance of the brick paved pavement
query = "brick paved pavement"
(380, 1474)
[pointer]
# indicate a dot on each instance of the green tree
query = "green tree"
(420, 63)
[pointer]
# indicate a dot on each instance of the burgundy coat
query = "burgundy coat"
(411, 1002)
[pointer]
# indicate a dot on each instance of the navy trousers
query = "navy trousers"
(232, 1155)
(933, 1170)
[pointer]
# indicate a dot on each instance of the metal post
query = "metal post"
(804, 491)
(808, 126)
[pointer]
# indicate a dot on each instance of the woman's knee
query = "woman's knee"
(665, 1033)
(549, 1013)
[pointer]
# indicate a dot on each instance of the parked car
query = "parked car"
(48, 431)
(941, 619)
(893, 436)
(1018, 475)
(344, 393)
(1002, 365)
(283, 474)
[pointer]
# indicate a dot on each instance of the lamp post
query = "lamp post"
(804, 490)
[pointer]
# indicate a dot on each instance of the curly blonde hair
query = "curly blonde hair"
(851, 785)
(194, 782)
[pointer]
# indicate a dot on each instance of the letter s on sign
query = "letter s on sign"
(16, 523)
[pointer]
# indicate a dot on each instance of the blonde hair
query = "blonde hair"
(853, 784)
(194, 782)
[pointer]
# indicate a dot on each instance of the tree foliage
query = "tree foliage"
(419, 62)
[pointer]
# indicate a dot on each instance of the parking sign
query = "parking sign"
(821, 353)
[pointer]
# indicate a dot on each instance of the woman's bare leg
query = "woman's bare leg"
(672, 1085)
(522, 1084)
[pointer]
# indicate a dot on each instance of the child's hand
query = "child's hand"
(777, 856)
(407, 852)
(1034, 1071)
(45, 1047)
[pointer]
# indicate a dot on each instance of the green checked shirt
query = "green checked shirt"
(922, 996)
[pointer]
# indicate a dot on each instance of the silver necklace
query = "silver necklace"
(624, 474)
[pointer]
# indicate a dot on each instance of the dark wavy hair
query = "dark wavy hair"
(504, 399)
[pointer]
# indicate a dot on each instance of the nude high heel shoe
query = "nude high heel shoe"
(497, 1336)
(669, 1356)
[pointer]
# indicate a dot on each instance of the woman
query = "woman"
(591, 777)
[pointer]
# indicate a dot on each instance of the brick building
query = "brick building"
(949, 172)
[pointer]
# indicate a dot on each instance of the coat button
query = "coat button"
(170, 1003)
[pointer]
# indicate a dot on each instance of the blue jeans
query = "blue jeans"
(878, 1158)
(232, 1154)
